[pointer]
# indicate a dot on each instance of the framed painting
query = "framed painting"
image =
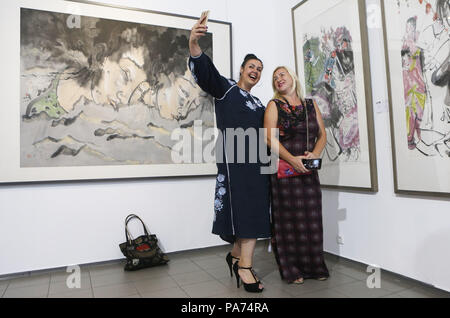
(332, 62)
(417, 49)
(93, 91)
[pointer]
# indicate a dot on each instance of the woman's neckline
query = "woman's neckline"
(248, 91)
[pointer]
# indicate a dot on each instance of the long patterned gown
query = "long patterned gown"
(297, 234)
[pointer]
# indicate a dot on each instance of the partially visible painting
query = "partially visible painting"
(99, 91)
(418, 58)
(330, 79)
(332, 62)
(104, 93)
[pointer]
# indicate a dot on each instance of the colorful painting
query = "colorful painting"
(330, 79)
(104, 92)
(426, 72)
(332, 64)
(418, 48)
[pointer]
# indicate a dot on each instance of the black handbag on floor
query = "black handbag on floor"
(143, 251)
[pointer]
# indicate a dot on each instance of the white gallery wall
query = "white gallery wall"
(59, 224)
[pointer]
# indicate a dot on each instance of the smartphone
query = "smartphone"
(312, 164)
(204, 17)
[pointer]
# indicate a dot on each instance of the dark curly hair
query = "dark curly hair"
(249, 57)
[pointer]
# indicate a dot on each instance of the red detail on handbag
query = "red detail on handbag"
(143, 247)
(285, 170)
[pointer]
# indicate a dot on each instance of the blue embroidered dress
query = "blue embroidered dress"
(241, 202)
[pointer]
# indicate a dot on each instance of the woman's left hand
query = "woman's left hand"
(311, 155)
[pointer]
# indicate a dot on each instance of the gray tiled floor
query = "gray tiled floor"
(204, 273)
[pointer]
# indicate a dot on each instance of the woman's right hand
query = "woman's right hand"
(197, 31)
(297, 164)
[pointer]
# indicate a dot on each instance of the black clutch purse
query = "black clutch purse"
(143, 251)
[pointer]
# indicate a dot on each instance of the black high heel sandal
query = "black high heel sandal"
(251, 288)
(229, 260)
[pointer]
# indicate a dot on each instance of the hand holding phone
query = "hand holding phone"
(198, 30)
(204, 18)
(312, 164)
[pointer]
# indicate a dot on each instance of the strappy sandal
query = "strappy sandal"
(252, 287)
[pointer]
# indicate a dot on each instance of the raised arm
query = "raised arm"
(205, 73)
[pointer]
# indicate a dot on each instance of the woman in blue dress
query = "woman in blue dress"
(241, 202)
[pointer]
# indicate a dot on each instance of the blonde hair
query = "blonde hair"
(296, 84)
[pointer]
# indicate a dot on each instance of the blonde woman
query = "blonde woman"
(297, 235)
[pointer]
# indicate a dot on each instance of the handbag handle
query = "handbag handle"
(128, 235)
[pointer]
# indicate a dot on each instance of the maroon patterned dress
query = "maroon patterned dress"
(297, 234)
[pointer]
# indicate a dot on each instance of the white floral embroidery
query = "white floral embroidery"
(250, 105)
(220, 192)
(243, 93)
(218, 205)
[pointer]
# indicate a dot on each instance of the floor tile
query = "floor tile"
(360, 290)
(175, 292)
(35, 291)
(63, 287)
(182, 267)
(410, 293)
(192, 278)
(206, 289)
(155, 284)
(115, 291)
(226, 294)
(110, 279)
(147, 273)
(270, 292)
(394, 295)
(84, 293)
(62, 276)
(432, 292)
(219, 272)
(106, 269)
(210, 262)
(29, 281)
(199, 254)
(326, 293)
(3, 286)
(132, 296)
(356, 273)
(395, 284)
(205, 256)
(242, 293)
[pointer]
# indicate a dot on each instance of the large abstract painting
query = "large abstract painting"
(418, 57)
(332, 62)
(102, 89)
